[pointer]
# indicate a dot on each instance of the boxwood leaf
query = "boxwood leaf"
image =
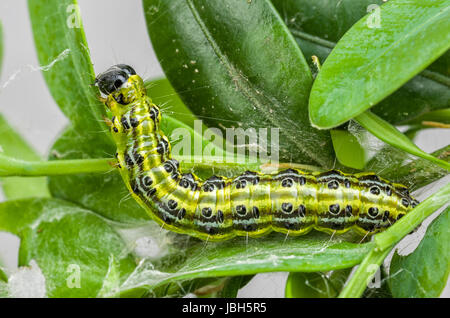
(66, 65)
(188, 258)
(373, 60)
(72, 246)
(219, 56)
(348, 150)
(424, 272)
(318, 25)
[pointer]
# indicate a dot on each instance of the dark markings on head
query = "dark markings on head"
(113, 78)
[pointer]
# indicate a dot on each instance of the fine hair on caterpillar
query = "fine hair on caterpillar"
(290, 201)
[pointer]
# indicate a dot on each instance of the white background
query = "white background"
(116, 33)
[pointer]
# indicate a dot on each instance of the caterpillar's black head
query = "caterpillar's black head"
(113, 78)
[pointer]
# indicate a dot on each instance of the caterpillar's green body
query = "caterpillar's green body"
(252, 204)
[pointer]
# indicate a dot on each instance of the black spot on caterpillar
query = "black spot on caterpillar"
(290, 201)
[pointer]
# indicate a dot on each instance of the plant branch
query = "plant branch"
(16, 167)
(357, 284)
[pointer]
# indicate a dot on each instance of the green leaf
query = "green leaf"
(308, 285)
(316, 285)
(219, 56)
(66, 65)
(369, 62)
(348, 149)
(424, 272)
(189, 259)
(12, 144)
(72, 246)
(391, 135)
(318, 25)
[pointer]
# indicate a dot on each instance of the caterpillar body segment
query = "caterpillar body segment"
(291, 201)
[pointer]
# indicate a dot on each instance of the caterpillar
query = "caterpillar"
(290, 201)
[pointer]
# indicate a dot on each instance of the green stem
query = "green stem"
(362, 276)
(16, 167)
(413, 219)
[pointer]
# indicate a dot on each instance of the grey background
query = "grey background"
(116, 33)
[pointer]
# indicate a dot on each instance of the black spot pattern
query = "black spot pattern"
(255, 212)
(286, 207)
(188, 181)
(172, 204)
(207, 212)
(348, 211)
(181, 213)
(373, 212)
(375, 190)
(241, 210)
(405, 202)
(124, 123)
(334, 208)
(301, 210)
(220, 217)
